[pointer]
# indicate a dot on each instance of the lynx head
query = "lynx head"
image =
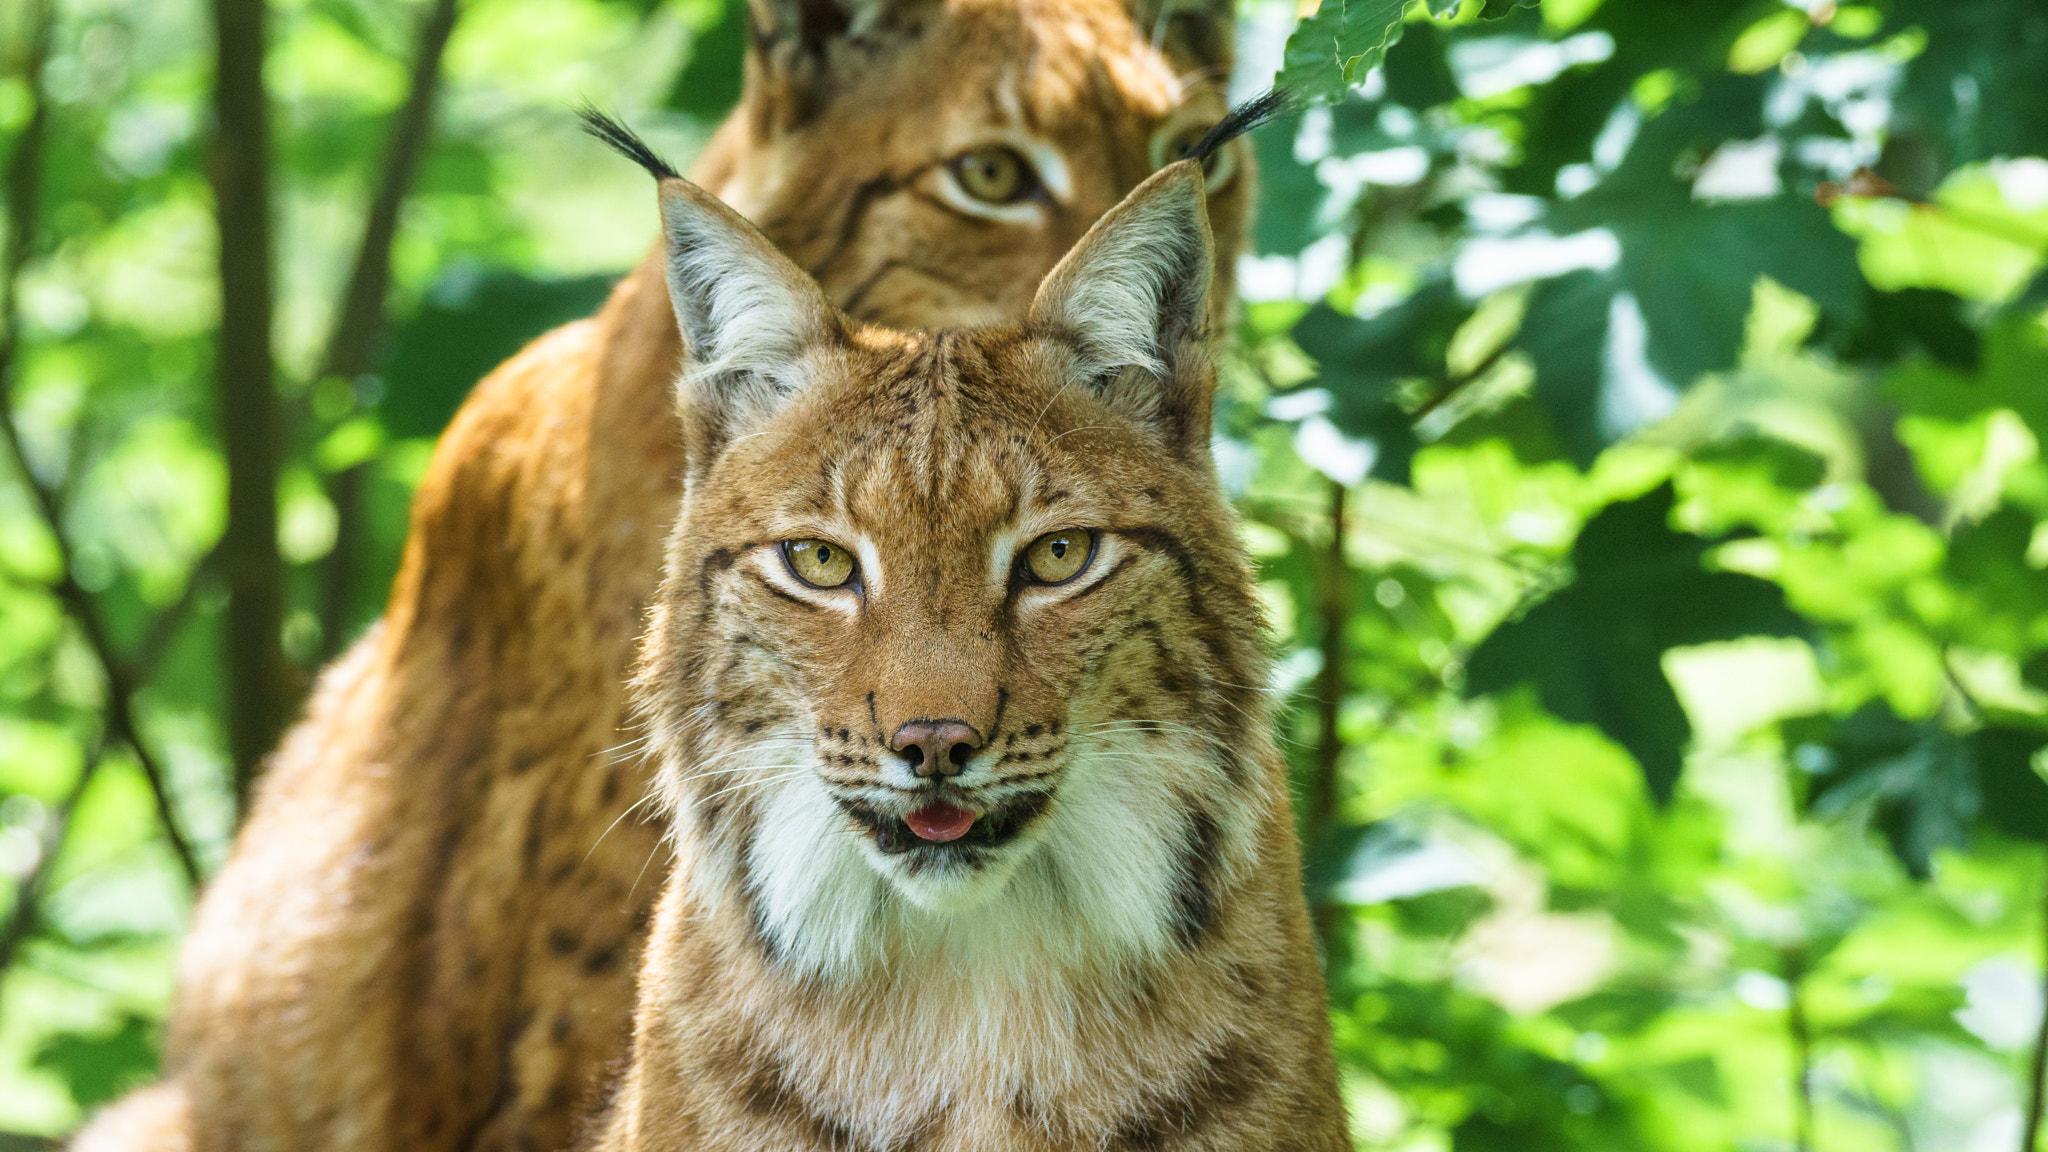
(956, 641)
(928, 161)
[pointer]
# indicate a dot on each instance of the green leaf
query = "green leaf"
(2035, 671)
(1285, 180)
(1694, 267)
(1362, 363)
(2014, 362)
(1564, 332)
(1593, 650)
(2003, 599)
(1979, 87)
(1920, 785)
(2015, 796)
(2034, 296)
(1418, 72)
(1335, 46)
(98, 1067)
(1914, 321)
(1404, 341)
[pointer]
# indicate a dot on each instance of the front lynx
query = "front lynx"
(983, 843)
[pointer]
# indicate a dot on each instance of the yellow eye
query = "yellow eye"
(819, 563)
(1058, 557)
(995, 174)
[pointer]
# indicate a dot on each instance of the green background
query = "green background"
(1637, 419)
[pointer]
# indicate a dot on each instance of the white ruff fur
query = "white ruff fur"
(1090, 887)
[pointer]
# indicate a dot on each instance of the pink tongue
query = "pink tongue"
(940, 821)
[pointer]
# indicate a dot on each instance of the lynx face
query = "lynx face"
(1014, 127)
(953, 651)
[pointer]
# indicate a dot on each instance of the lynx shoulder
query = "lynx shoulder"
(982, 839)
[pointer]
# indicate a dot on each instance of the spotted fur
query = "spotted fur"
(1116, 954)
(428, 932)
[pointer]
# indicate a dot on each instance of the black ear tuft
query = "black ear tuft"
(1240, 120)
(623, 141)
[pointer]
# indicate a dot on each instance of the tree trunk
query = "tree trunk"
(257, 689)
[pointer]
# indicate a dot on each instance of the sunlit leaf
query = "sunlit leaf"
(1593, 649)
(1335, 46)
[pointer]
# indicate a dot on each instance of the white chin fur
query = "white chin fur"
(1092, 882)
(949, 886)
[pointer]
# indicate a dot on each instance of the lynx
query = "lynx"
(983, 843)
(427, 935)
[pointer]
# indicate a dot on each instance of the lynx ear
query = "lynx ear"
(747, 314)
(1134, 293)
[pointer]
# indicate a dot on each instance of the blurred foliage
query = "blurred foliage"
(1685, 369)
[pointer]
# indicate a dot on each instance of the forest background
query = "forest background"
(1637, 419)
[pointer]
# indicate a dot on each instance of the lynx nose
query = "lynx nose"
(935, 747)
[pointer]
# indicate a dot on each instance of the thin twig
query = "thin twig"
(1456, 384)
(24, 185)
(359, 325)
(2037, 1069)
(1334, 610)
(28, 894)
(1801, 1030)
(162, 630)
(121, 726)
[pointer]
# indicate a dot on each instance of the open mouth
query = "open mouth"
(942, 827)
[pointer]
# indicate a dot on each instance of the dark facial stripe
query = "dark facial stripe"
(1002, 702)
(857, 299)
(1238, 700)
(718, 561)
(1194, 898)
(806, 605)
(858, 204)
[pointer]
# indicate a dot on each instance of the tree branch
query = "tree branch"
(359, 326)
